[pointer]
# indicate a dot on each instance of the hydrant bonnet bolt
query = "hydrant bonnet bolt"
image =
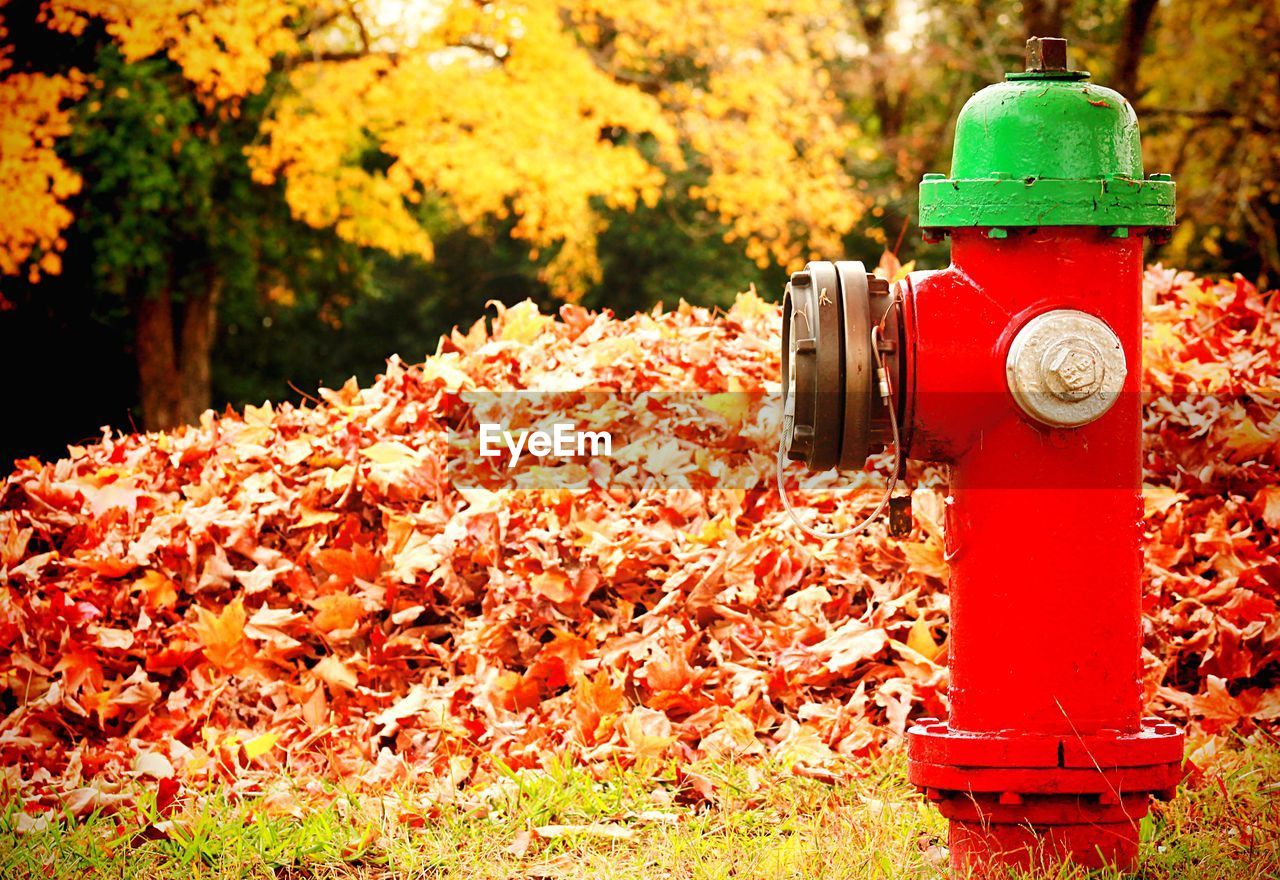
(1066, 368)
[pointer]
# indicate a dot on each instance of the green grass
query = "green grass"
(766, 823)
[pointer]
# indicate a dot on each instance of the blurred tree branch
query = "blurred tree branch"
(1236, 120)
(1137, 22)
(1045, 18)
(890, 108)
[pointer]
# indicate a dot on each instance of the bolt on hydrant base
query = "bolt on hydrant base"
(1018, 366)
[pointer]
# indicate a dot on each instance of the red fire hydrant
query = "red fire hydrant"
(1019, 366)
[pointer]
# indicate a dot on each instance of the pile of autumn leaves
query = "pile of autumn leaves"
(319, 591)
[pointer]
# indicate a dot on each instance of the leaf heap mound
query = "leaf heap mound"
(345, 591)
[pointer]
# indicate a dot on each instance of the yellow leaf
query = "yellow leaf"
(389, 452)
(803, 747)
(1248, 440)
(920, 639)
(101, 703)
(553, 585)
(714, 531)
(259, 416)
(613, 351)
(734, 407)
(734, 735)
(594, 829)
(111, 638)
(1160, 336)
(853, 643)
(260, 745)
(311, 517)
(648, 731)
(153, 764)
(446, 368)
(1158, 499)
(748, 305)
(33, 179)
(523, 323)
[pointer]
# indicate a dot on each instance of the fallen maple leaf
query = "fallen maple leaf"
(920, 639)
(337, 611)
(851, 644)
(223, 637)
(336, 673)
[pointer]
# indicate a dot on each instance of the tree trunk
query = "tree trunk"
(199, 321)
(155, 353)
(1137, 22)
(890, 109)
(172, 347)
(1045, 18)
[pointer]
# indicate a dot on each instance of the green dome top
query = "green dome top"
(1047, 128)
(1046, 149)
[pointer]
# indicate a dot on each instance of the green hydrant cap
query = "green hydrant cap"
(1046, 148)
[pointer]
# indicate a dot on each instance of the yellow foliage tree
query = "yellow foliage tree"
(34, 182)
(542, 111)
(1209, 96)
(748, 88)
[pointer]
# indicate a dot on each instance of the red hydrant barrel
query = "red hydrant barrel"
(1022, 370)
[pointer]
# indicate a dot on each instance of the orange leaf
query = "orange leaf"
(157, 590)
(80, 669)
(1268, 500)
(596, 703)
(553, 585)
(222, 636)
(348, 565)
(926, 557)
(337, 611)
(558, 586)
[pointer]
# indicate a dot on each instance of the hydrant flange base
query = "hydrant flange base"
(1155, 779)
(1022, 770)
(1155, 743)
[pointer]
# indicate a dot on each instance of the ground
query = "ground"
(861, 820)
